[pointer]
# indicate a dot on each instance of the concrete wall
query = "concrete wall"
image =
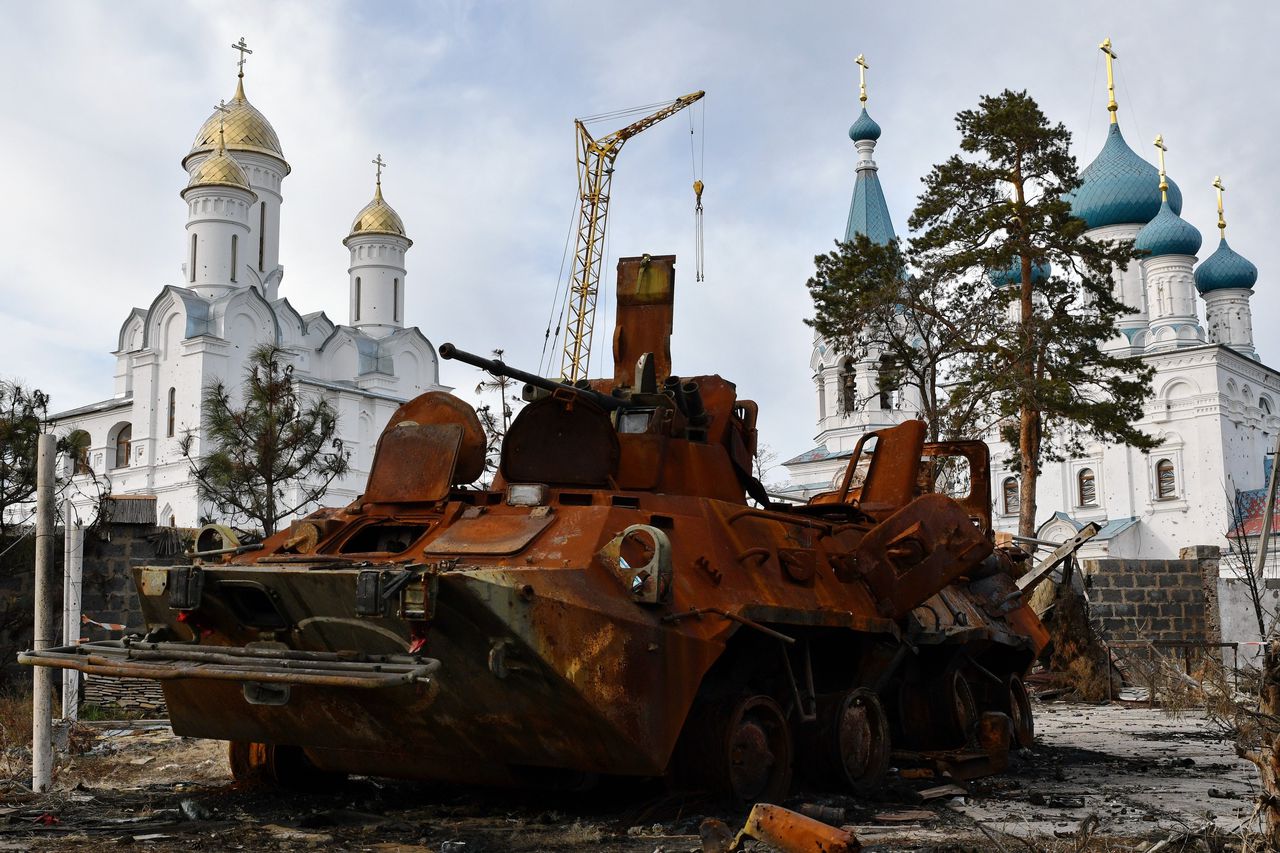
(1239, 618)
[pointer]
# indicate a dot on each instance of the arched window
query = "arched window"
(356, 314)
(235, 240)
(1010, 500)
(1166, 481)
(395, 296)
(193, 258)
(262, 236)
(1086, 488)
(173, 409)
(124, 442)
(78, 452)
(889, 378)
(1264, 403)
(848, 387)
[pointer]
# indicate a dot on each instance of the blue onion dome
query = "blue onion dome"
(1013, 274)
(864, 128)
(1168, 234)
(1225, 269)
(1120, 187)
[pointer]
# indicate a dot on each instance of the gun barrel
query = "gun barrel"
(501, 368)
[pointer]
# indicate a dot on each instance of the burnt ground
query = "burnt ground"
(1128, 775)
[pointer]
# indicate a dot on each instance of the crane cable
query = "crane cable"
(698, 186)
(558, 317)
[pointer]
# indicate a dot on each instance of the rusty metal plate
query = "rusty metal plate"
(414, 462)
(153, 581)
(496, 535)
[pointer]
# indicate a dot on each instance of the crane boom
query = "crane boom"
(595, 174)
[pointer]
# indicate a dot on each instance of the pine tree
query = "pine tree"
(272, 456)
(496, 424)
(868, 298)
(24, 414)
(1000, 205)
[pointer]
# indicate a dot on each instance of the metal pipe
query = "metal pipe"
(1268, 510)
(1031, 540)
(239, 549)
(692, 400)
(373, 676)
(501, 368)
(42, 678)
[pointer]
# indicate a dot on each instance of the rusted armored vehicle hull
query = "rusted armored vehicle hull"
(613, 604)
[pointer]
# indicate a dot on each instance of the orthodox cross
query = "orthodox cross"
(1105, 47)
(379, 162)
(223, 112)
(862, 77)
(1222, 223)
(244, 49)
(1164, 184)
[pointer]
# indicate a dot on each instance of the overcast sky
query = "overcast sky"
(471, 105)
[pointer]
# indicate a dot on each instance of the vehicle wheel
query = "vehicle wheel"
(955, 709)
(248, 763)
(756, 752)
(268, 765)
(1024, 724)
(856, 740)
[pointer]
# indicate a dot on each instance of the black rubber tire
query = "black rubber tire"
(858, 743)
(1019, 711)
(756, 750)
(279, 766)
(954, 709)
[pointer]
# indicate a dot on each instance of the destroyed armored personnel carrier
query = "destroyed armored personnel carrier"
(624, 598)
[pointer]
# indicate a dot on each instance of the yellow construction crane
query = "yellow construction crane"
(595, 173)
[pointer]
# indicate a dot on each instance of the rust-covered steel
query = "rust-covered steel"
(791, 832)
(622, 599)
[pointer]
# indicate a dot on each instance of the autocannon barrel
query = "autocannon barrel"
(501, 368)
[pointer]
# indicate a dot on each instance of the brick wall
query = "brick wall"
(108, 594)
(1170, 600)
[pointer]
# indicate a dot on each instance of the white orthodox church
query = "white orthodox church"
(202, 329)
(1214, 406)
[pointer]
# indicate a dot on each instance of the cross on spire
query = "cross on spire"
(223, 112)
(1222, 223)
(244, 49)
(862, 78)
(1105, 47)
(379, 162)
(1164, 184)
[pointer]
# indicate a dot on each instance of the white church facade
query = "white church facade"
(1214, 406)
(202, 330)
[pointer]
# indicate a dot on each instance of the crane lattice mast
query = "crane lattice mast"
(595, 174)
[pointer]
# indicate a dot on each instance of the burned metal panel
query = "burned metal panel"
(646, 309)
(490, 534)
(414, 463)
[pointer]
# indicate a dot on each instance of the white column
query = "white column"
(72, 586)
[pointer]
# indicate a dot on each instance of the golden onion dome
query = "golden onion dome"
(378, 217)
(246, 130)
(219, 169)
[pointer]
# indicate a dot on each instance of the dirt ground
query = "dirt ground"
(1111, 777)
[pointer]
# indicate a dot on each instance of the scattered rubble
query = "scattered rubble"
(1105, 777)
